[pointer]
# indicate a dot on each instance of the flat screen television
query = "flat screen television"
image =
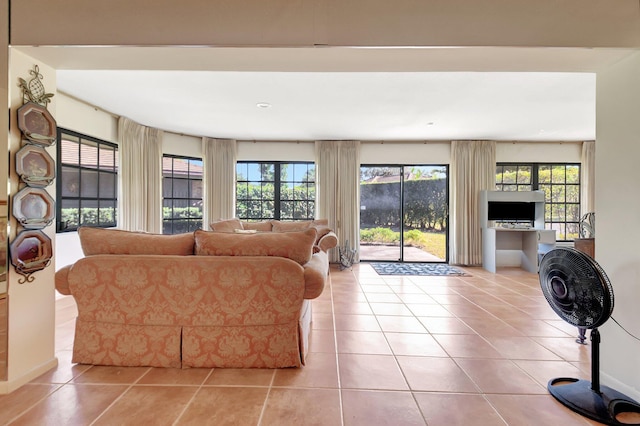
(511, 211)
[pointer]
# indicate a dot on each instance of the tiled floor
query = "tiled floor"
(385, 350)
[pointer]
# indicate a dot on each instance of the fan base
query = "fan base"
(604, 407)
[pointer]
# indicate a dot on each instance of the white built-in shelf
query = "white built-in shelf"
(502, 247)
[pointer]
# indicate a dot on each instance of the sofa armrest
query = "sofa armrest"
(62, 280)
(328, 241)
(315, 275)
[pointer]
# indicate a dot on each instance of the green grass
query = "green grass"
(430, 242)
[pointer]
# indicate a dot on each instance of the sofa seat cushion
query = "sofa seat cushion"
(96, 241)
(297, 246)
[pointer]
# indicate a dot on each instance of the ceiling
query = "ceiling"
(531, 94)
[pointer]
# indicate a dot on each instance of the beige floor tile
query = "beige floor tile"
(534, 410)
(414, 344)
(435, 374)
(64, 371)
(417, 298)
(370, 372)
(321, 306)
(322, 341)
(175, 376)
(500, 376)
(539, 328)
(302, 407)
(521, 348)
(428, 310)
(228, 406)
(362, 342)
(442, 325)
(440, 409)
(382, 298)
(566, 348)
(400, 324)
(72, 405)
(100, 374)
(390, 309)
(353, 308)
(320, 371)
(366, 408)
(543, 371)
(357, 322)
(466, 346)
(23, 398)
(322, 321)
(142, 405)
(491, 326)
(240, 377)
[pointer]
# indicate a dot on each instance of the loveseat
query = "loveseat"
(202, 299)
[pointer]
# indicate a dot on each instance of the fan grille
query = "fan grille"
(576, 287)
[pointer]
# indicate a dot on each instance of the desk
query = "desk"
(503, 247)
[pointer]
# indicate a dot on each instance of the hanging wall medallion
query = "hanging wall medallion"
(31, 251)
(33, 208)
(37, 124)
(35, 166)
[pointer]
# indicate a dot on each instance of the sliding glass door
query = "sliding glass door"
(404, 213)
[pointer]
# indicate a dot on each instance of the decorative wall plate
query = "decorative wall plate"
(31, 251)
(35, 166)
(37, 124)
(33, 208)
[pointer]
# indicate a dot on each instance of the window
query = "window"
(561, 186)
(182, 194)
(275, 190)
(87, 184)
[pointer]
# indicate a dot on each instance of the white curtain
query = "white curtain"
(473, 169)
(140, 177)
(338, 190)
(588, 177)
(219, 156)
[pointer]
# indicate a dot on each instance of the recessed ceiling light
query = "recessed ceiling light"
(263, 105)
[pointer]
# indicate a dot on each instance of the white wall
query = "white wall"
(618, 217)
(31, 340)
(83, 118)
(78, 116)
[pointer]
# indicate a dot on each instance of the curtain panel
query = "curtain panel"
(338, 190)
(588, 177)
(140, 177)
(219, 179)
(473, 169)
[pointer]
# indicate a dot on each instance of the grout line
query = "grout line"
(266, 398)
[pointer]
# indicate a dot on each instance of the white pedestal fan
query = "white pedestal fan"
(580, 292)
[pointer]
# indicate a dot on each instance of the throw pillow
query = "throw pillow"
(226, 225)
(296, 246)
(116, 241)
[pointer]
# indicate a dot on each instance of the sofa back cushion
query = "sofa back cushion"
(264, 226)
(116, 241)
(296, 246)
(226, 225)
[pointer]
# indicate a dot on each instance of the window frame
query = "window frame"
(535, 184)
(277, 183)
(189, 199)
(99, 199)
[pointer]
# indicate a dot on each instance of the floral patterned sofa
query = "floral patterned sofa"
(203, 299)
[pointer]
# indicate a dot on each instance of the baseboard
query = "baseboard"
(13, 384)
(615, 384)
